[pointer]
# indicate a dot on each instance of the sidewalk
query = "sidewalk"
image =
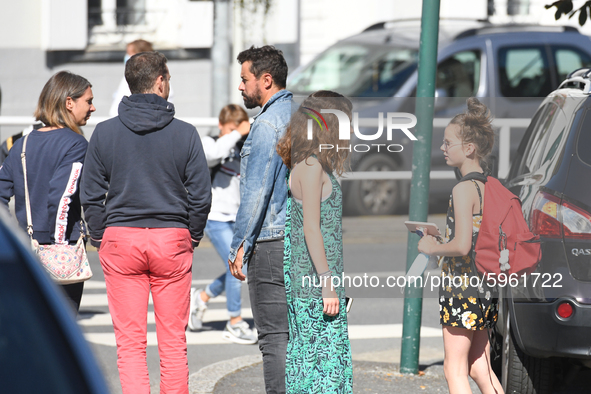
(245, 375)
(375, 360)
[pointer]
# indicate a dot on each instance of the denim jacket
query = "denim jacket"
(263, 190)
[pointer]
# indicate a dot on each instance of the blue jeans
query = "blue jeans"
(220, 234)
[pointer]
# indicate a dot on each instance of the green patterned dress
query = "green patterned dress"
(318, 351)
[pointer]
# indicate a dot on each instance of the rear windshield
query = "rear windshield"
(357, 71)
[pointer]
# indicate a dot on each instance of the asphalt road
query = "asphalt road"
(374, 247)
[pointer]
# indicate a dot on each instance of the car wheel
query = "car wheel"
(374, 197)
(523, 374)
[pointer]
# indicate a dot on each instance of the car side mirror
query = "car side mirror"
(442, 98)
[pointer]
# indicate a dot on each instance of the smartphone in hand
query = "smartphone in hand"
(420, 228)
(431, 228)
(348, 302)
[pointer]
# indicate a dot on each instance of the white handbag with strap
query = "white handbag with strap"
(65, 264)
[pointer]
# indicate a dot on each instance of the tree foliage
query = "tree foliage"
(565, 7)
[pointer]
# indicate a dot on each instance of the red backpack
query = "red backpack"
(504, 242)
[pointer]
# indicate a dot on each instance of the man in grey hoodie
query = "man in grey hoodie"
(146, 194)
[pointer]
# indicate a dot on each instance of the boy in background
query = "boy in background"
(223, 158)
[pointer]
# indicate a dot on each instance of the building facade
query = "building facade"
(88, 37)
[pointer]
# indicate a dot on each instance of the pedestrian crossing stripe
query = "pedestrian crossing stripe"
(193, 338)
(357, 331)
(104, 319)
(96, 284)
(88, 321)
(93, 300)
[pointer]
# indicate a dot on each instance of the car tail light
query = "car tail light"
(564, 310)
(553, 218)
(576, 221)
(544, 217)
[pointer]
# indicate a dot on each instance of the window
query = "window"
(553, 139)
(338, 68)
(459, 75)
(517, 7)
(388, 72)
(95, 16)
(131, 12)
(535, 147)
(584, 140)
(357, 71)
(518, 165)
(568, 60)
(524, 72)
(127, 12)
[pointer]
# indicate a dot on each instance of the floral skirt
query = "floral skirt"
(468, 307)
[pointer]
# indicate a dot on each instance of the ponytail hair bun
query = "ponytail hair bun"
(476, 128)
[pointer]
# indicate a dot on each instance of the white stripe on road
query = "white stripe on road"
(378, 331)
(91, 300)
(356, 331)
(104, 319)
(375, 331)
(193, 338)
(95, 284)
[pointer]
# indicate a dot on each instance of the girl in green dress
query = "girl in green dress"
(318, 351)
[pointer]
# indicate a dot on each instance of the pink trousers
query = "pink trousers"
(136, 261)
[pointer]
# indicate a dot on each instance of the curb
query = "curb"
(204, 380)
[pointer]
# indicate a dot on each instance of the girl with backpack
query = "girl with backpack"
(466, 312)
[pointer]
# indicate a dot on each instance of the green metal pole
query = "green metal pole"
(419, 190)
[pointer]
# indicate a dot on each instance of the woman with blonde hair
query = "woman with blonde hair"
(467, 312)
(54, 157)
(318, 351)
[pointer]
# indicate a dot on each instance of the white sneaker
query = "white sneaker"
(197, 310)
(240, 333)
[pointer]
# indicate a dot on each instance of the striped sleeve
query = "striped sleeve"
(63, 191)
(61, 218)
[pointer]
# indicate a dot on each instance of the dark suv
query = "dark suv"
(510, 68)
(546, 319)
